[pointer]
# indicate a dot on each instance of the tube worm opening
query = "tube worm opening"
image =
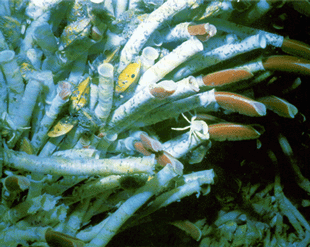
(279, 106)
(296, 48)
(141, 149)
(163, 89)
(150, 53)
(287, 64)
(233, 132)
(150, 143)
(224, 77)
(6, 56)
(241, 104)
(106, 70)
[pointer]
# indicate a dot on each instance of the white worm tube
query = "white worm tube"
(106, 141)
(243, 31)
(5, 8)
(77, 69)
(142, 102)
(148, 26)
(206, 59)
(170, 62)
(60, 186)
(14, 80)
(191, 186)
(71, 138)
(29, 38)
(177, 33)
(105, 95)
(13, 236)
(173, 109)
(94, 187)
(3, 43)
(35, 57)
(182, 144)
(51, 145)
(128, 208)
(93, 95)
(40, 137)
(3, 94)
(148, 57)
(120, 6)
(27, 103)
(71, 167)
(45, 38)
(260, 9)
(74, 220)
(124, 146)
(82, 153)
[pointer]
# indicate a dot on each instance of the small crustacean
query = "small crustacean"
(198, 129)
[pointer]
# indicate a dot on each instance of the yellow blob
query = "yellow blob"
(26, 146)
(128, 76)
(63, 126)
(80, 95)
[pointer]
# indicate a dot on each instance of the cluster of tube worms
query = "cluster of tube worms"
(105, 114)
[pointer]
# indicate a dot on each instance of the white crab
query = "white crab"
(198, 129)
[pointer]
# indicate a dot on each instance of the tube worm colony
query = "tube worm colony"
(93, 95)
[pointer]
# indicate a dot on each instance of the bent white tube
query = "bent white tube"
(128, 208)
(105, 91)
(40, 137)
(35, 57)
(71, 167)
(149, 25)
(243, 31)
(148, 57)
(181, 145)
(13, 236)
(27, 103)
(142, 102)
(189, 188)
(170, 62)
(3, 94)
(206, 59)
(173, 109)
(120, 6)
(177, 33)
(51, 145)
(93, 95)
(14, 80)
